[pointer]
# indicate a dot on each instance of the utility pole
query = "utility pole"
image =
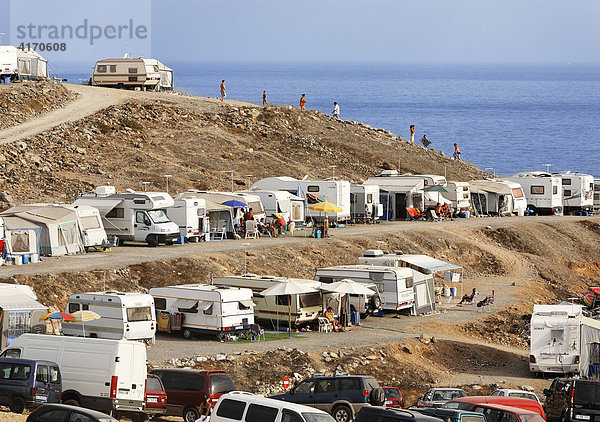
(167, 176)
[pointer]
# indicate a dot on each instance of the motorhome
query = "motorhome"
(91, 228)
(191, 217)
(203, 309)
(578, 192)
(398, 194)
(101, 374)
(145, 74)
(335, 191)
(365, 203)
(284, 203)
(399, 288)
(459, 193)
(18, 64)
(543, 191)
(133, 216)
(122, 315)
(305, 308)
(497, 197)
(563, 340)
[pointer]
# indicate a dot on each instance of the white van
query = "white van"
(239, 406)
(122, 315)
(190, 215)
(101, 374)
(203, 309)
(543, 191)
(134, 216)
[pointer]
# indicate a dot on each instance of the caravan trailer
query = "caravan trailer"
(190, 215)
(578, 192)
(364, 203)
(134, 216)
(459, 195)
(497, 197)
(18, 65)
(203, 309)
(543, 191)
(284, 203)
(146, 74)
(335, 191)
(122, 315)
(562, 339)
(305, 308)
(253, 201)
(430, 199)
(92, 230)
(397, 194)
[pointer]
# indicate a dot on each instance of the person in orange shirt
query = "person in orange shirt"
(303, 102)
(223, 90)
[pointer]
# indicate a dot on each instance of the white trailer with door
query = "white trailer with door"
(18, 65)
(497, 197)
(191, 217)
(284, 203)
(127, 72)
(364, 203)
(335, 191)
(203, 309)
(543, 191)
(398, 194)
(459, 194)
(134, 216)
(92, 230)
(101, 374)
(562, 339)
(578, 192)
(122, 315)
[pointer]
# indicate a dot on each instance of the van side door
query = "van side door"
(5, 370)
(54, 384)
(141, 226)
(41, 384)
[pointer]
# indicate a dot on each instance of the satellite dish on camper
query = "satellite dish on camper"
(305, 177)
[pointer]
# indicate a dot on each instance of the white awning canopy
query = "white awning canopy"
(103, 205)
(427, 264)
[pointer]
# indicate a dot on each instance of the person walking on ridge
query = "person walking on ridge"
(412, 133)
(265, 103)
(223, 90)
(456, 154)
(336, 111)
(303, 102)
(426, 142)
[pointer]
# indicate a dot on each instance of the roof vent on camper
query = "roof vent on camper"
(373, 252)
(105, 190)
(388, 173)
(398, 252)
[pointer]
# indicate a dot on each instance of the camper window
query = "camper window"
(160, 303)
(113, 68)
(85, 307)
(409, 282)
(312, 188)
(142, 218)
(554, 190)
(310, 299)
(325, 279)
(101, 68)
(41, 374)
(556, 335)
(133, 70)
(517, 192)
(142, 313)
(566, 181)
(90, 222)
(537, 190)
(283, 300)
(116, 213)
(369, 198)
(73, 307)
(376, 276)
(567, 192)
(209, 310)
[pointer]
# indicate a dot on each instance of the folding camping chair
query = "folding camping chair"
(415, 214)
(434, 216)
(251, 230)
(220, 232)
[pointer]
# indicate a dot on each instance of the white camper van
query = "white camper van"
(190, 215)
(200, 308)
(122, 315)
(284, 203)
(578, 191)
(17, 64)
(335, 191)
(134, 216)
(91, 227)
(101, 374)
(543, 191)
(305, 308)
(561, 339)
(364, 203)
(146, 74)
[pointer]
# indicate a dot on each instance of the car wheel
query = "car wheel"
(187, 334)
(152, 241)
(71, 402)
(190, 414)
(342, 413)
(17, 405)
(376, 302)
(377, 397)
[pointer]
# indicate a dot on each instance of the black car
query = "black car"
(570, 399)
(386, 414)
(65, 413)
(342, 396)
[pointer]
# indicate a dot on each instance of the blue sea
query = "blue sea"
(506, 118)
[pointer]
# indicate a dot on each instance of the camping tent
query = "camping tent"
(60, 233)
(20, 312)
(21, 237)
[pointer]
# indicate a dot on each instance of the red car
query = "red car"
(393, 397)
(155, 396)
(469, 403)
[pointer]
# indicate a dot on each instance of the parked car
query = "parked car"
(469, 403)
(156, 396)
(500, 413)
(25, 383)
(384, 414)
(238, 406)
(342, 396)
(436, 397)
(186, 389)
(516, 393)
(570, 399)
(64, 412)
(453, 415)
(393, 397)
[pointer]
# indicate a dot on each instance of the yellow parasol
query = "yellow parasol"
(325, 207)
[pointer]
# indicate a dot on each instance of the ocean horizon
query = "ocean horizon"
(505, 118)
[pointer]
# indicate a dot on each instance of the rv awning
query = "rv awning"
(213, 206)
(428, 264)
(103, 205)
(247, 303)
(490, 186)
(185, 303)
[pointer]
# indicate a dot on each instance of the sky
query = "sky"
(392, 31)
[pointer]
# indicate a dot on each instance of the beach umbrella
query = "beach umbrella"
(325, 207)
(348, 287)
(234, 203)
(56, 315)
(288, 288)
(85, 316)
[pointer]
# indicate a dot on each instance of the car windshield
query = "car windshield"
(392, 393)
(531, 418)
(446, 395)
(221, 383)
(319, 417)
(158, 216)
(523, 396)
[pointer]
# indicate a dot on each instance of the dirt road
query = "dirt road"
(130, 254)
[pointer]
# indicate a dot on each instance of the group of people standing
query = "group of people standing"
(426, 142)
